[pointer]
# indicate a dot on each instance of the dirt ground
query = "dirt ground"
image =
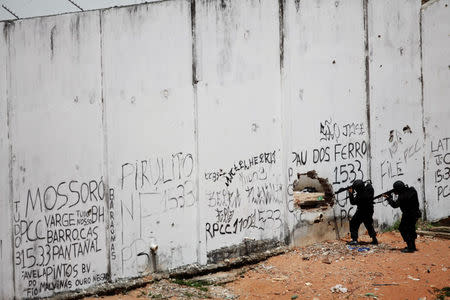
(364, 272)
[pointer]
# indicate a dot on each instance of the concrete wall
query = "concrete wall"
(183, 124)
(324, 101)
(239, 140)
(150, 135)
(396, 135)
(55, 125)
(436, 88)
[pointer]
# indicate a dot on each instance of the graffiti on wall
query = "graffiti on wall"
(245, 196)
(58, 235)
(440, 166)
(403, 147)
(343, 147)
(148, 190)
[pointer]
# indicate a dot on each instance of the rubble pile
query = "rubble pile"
(337, 250)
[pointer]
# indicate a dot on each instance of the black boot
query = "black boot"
(413, 245)
(409, 248)
(374, 241)
(353, 243)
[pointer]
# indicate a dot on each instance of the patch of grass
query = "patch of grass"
(189, 295)
(443, 293)
(198, 284)
(424, 225)
(395, 226)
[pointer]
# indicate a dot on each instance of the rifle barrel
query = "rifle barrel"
(384, 193)
(342, 189)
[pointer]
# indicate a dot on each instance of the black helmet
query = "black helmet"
(398, 186)
(358, 185)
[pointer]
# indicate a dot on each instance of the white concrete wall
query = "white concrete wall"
(149, 109)
(183, 126)
(436, 102)
(324, 96)
(395, 98)
(57, 152)
(239, 122)
(6, 266)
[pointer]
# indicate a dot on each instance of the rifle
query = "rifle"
(348, 187)
(342, 189)
(388, 193)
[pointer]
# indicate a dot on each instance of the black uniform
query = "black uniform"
(364, 212)
(409, 205)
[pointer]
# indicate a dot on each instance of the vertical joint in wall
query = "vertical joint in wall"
(194, 46)
(281, 34)
(196, 151)
(105, 148)
(423, 117)
(8, 26)
(287, 235)
(367, 83)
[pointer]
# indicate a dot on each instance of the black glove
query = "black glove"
(390, 200)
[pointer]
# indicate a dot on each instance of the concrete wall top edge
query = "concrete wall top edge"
(103, 9)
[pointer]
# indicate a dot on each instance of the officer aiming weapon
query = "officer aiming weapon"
(347, 188)
(342, 189)
(384, 194)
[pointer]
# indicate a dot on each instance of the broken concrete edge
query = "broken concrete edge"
(309, 180)
(185, 272)
(442, 235)
(440, 229)
(442, 222)
(107, 288)
(227, 264)
(245, 248)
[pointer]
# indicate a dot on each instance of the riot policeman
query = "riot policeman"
(408, 202)
(364, 212)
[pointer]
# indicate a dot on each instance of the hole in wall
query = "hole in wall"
(312, 191)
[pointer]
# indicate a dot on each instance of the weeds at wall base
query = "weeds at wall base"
(198, 284)
(424, 225)
(393, 227)
(442, 294)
